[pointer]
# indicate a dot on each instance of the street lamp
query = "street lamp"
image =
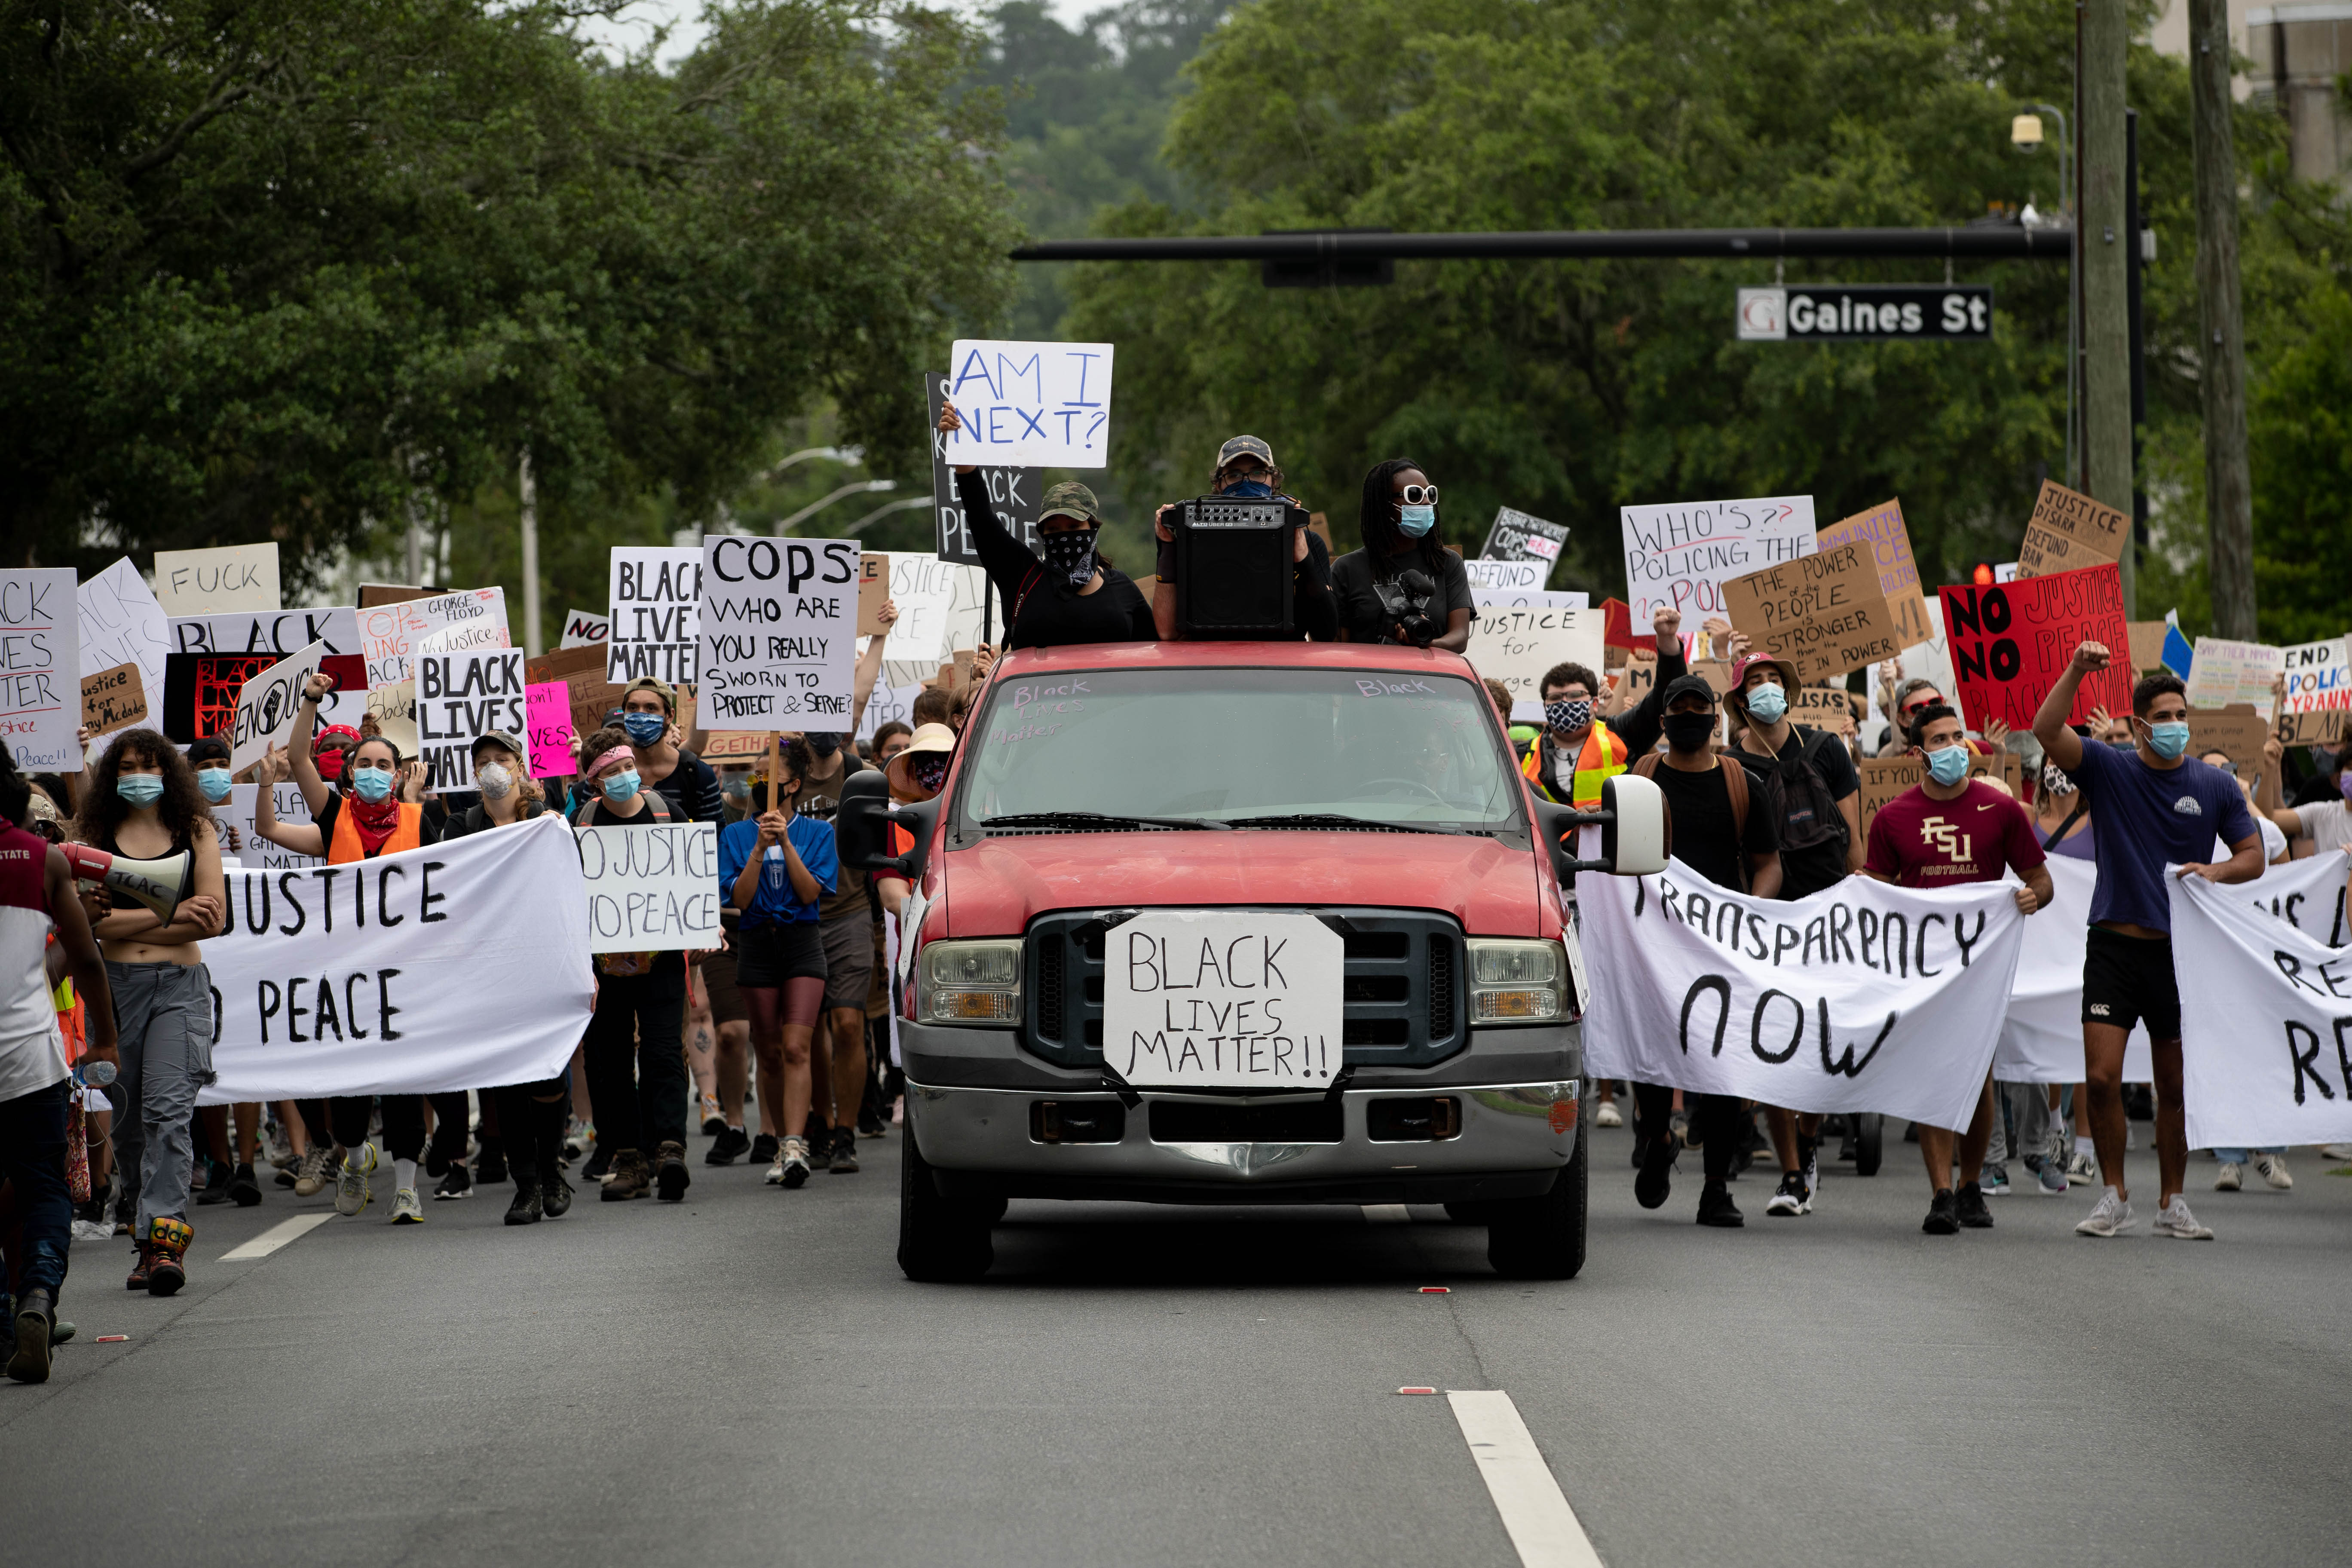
(864, 487)
(885, 510)
(2025, 134)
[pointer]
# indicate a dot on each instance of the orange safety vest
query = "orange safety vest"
(1602, 758)
(346, 846)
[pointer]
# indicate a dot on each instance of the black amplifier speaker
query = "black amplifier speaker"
(1233, 567)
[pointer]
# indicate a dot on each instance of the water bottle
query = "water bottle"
(95, 1075)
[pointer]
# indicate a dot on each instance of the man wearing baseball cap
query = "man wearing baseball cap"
(1245, 470)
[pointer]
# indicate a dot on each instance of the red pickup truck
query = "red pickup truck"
(1236, 922)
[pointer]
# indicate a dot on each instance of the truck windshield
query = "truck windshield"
(1236, 745)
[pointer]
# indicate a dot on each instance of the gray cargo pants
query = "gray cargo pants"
(163, 1017)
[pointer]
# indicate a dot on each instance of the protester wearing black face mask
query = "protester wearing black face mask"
(1073, 595)
(1245, 471)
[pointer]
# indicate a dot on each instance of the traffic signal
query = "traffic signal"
(1982, 575)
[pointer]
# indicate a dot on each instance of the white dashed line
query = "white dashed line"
(1541, 1525)
(276, 1236)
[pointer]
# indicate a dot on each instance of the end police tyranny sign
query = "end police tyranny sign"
(1832, 312)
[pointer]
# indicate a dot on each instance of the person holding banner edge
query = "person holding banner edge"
(2157, 807)
(1946, 830)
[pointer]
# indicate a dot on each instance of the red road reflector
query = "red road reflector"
(1436, 1290)
(1416, 1391)
(109, 1338)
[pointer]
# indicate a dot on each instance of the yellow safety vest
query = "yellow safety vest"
(1601, 757)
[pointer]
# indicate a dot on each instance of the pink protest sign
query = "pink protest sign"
(548, 710)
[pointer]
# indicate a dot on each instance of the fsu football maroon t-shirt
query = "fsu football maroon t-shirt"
(1916, 842)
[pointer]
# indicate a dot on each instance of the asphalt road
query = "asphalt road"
(746, 1378)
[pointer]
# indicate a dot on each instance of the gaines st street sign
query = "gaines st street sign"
(1882, 312)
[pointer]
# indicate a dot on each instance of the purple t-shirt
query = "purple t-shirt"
(2148, 818)
(2081, 846)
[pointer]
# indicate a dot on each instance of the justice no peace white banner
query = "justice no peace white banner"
(1863, 997)
(2265, 1025)
(463, 965)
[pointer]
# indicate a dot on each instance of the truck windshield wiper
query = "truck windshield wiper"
(1099, 819)
(1336, 819)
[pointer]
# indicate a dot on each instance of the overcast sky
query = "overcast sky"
(636, 25)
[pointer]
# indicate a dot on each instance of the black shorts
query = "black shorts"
(767, 955)
(2126, 979)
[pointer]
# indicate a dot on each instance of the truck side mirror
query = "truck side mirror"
(1634, 835)
(863, 822)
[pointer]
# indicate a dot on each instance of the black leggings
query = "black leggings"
(1715, 1119)
(404, 1122)
(531, 1123)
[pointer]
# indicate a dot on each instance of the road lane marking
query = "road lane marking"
(276, 1236)
(1387, 1213)
(1542, 1527)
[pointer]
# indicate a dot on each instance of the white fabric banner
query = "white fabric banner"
(2265, 1029)
(1862, 997)
(464, 965)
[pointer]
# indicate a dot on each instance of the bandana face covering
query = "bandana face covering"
(1568, 714)
(1072, 554)
(930, 771)
(645, 728)
(2054, 780)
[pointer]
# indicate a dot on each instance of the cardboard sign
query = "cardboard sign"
(2240, 731)
(391, 636)
(266, 705)
(1506, 576)
(1821, 708)
(1883, 778)
(2147, 644)
(656, 599)
(1636, 678)
(1514, 535)
(2068, 531)
(40, 669)
(252, 849)
(459, 696)
(735, 745)
(584, 628)
(122, 623)
(1881, 529)
(1030, 405)
(114, 698)
(1678, 556)
(216, 582)
(375, 594)
(547, 705)
(1014, 493)
(2318, 699)
(651, 888)
(874, 592)
(394, 710)
(779, 632)
(1824, 612)
(2224, 672)
(2010, 643)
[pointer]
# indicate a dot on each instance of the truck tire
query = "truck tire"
(941, 1240)
(1869, 1143)
(1542, 1237)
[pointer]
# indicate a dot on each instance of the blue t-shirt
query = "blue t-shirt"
(2147, 817)
(776, 903)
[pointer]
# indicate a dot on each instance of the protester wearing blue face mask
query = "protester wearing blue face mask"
(2156, 805)
(649, 718)
(1398, 522)
(1246, 471)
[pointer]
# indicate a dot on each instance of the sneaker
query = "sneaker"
(215, 1187)
(765, 1149)
(406, 1209)
(2229, 1177)
(1681, 1123)
(289, 1173)
(244, 1187)
(1968, 1204)
(313, 1172)
(775, 1177)
(1993, 1182)
(845, 1153)
(1808, 1162)
(870, 1125)
(457, 1184)
(1788, 1199)
(1656, 1180)
(599, 1166)
(525, 1208)
(713, 1122)
(2337, 1150)
(2081, 1168)
(793, 1163)
(1943, 1215)
(577, 1136)
(1716, 1208)
(554, 1192)
(2273, 1170)
(2110, 1216)
(670, 1176)
(2175, 1221)
(351, 1193)
(728, 1146)
(1606, 1114)
(2049, 1181)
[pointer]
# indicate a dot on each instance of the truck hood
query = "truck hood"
(997, 887)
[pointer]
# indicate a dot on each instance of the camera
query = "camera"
(1404, 600)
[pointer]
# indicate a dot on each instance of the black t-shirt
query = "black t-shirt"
(1698, 807)
(1040, 609)
(821, 801)
(692, 790)
(427, 830)
(1809, 870)
(1360, 616)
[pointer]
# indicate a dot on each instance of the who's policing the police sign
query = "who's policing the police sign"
(1942, 312)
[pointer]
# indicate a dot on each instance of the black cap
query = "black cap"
(1686, 685)
(206, 750)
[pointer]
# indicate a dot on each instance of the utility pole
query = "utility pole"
(2101, 233)
(527, 493)
(2220, 338)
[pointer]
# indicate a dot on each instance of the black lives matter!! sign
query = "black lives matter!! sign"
(1014, 492)
(1946, 313)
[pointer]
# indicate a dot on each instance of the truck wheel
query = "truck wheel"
(1869, 1143)
(1542, 1238)
(941, 1240)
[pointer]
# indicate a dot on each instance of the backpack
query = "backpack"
(621, 963)
(1735, 785)
(1799, 795)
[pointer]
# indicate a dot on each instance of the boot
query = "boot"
(554, 1192)
(141, 1263)
(546, 1127)
(670, 1175)
(525, 1209)
(167, 1250)
(631, 1178)
(35, 1316)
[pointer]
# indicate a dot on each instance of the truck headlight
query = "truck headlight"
(969, 983)
(1514, 982)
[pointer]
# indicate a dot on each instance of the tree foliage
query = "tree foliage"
(274, 268)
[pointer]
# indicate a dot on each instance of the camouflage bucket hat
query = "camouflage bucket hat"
(1070, 499)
